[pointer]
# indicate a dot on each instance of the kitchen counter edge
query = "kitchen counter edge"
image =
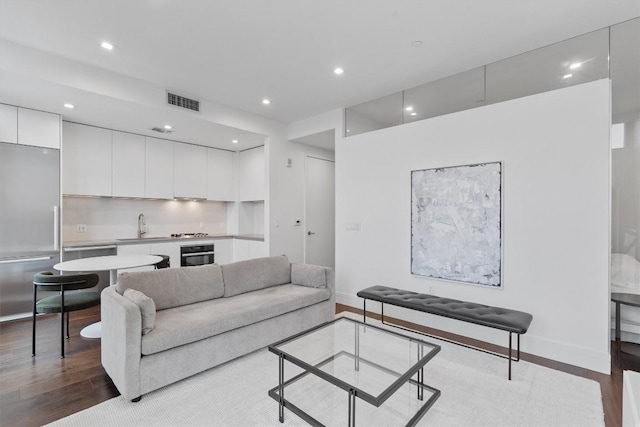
(116, 242)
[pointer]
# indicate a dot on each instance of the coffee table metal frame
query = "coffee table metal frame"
(277, 393)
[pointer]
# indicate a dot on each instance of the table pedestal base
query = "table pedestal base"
(93, 331)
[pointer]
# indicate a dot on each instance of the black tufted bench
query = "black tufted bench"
(512, 321)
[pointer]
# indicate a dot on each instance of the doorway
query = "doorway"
(319, 211)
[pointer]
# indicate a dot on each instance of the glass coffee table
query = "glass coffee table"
(366, 361)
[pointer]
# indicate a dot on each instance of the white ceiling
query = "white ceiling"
(236, 52)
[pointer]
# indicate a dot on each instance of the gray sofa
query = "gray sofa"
(205, 316)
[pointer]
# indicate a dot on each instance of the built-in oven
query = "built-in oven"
(191, 255)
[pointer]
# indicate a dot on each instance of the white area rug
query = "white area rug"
(475, 392)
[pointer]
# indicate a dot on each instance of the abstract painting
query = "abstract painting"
(456, 217)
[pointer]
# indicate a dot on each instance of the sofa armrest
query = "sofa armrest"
(121, 346)
(312, 276)
(315, 276)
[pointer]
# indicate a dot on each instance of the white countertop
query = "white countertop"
(109, 262)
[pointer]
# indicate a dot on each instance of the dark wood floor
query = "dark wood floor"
(38, 390)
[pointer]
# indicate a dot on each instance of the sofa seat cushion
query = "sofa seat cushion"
(183, 325)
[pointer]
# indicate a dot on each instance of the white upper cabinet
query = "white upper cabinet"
(128, 165)
(8, 123)
(251, 174)
(86, 160)
(29, 127)
(159, 168)
(220, 179)
(190, 171)
(38, 128)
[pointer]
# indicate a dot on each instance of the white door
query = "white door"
(320, 230)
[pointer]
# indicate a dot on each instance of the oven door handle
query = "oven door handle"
(198, 254)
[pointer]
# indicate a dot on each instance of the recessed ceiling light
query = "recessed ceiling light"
(414, 114)
(168, 127)
(107, 45)
(338, 71)
(266, 101)
(70, 106)
(409, 108)
(235, 141)
(566, 76)
(575, 65)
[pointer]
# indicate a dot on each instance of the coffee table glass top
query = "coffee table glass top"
(385, 359)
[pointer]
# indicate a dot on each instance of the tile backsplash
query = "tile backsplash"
(110, 218)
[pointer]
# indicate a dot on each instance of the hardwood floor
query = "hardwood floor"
(41, 389)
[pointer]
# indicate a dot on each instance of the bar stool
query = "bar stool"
(162, 264)
(65, 301)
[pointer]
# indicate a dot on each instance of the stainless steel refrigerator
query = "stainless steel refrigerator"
(29, 222)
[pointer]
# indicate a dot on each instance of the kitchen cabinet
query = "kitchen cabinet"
(158, 168)
(172, 249)
(224, 251)
(29, 127)
(128, 161)
(248, 249)
(220, 177)
(190, 169)
(137, 249)
(38, 128)
(86, 160)
(257, 249)
(251, 174)
(8, 123)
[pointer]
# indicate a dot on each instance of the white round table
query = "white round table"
(111, 263)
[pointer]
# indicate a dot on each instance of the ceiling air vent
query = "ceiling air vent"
(161, 130)
(181, 101)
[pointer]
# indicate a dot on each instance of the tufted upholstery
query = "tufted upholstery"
(493, 317)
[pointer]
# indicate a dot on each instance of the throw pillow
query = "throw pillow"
(147, 309)
(312, 276)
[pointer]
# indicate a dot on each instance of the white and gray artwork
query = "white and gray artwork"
(456, 223)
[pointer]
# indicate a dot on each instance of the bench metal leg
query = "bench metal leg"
(517, 358)
(508, 356)
(364, 310)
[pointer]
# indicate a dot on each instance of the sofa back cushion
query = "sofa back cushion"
(173, 287)
(259, 273)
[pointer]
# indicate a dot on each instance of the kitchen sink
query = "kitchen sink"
(131, 239)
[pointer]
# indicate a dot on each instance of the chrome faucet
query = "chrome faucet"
(142, 226)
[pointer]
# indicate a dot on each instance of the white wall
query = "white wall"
(555, 152)
(286, 184)
(287, 196)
